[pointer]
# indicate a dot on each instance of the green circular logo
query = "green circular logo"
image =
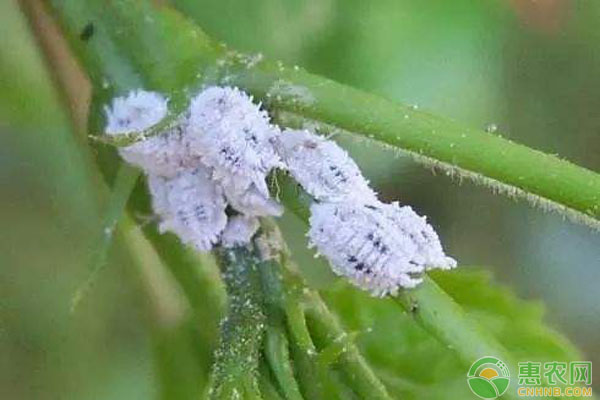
(488, 378)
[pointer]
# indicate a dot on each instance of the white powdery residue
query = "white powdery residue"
(324, 169)
(190, 205)
(284, 90)
(137, 111)
(234, 137)
(378, 248)
(239, 231)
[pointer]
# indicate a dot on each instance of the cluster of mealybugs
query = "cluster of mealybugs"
(219, 153)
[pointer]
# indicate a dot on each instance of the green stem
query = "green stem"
(440, 315)
(284, 288)
(509, 167)
(278, 355)
(277, 346)
(333, 352)
(173, 55)
(237, 356)
(267, 389)
(327, 331)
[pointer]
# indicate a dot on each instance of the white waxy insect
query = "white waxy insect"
(190, 205)
(163, 154)
(234, 137)
(137, 111)
(379, 247)
(239, 230)
(323, 168)
(420, 233)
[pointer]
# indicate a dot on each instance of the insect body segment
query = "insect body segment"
(323, 168)
(190, 205)
(374, 251)
(137, 111)
(233, 136)
(164, 154)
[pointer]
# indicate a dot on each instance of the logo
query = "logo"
(488, 378)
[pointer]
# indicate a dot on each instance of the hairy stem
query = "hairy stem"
(328, 331)
(285, 289)
(174, 55)
(238, 353)
(505, 166)
(276, 349)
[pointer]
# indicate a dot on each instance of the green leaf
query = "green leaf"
(518, 325)
(414, 364)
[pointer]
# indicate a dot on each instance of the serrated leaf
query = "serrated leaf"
(414, 364)
(519, 325)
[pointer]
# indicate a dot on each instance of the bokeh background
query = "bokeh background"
(529, 68)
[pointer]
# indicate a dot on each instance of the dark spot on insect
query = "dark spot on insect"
(370, 236)
(368, 271)
(87, 32)
(309, 144)
(352, 259)
(124, 122)
(415, 275)
(359, 266)
(370, 207)
(199, 212)
(183, 217)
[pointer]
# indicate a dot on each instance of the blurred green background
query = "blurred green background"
(529, 68)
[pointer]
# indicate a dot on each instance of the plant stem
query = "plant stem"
(277, 354)
(237, 356)
(505, 166)
(437, 312)
(266, 383)
(284, 288)
(327, 331)
(169, 54)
